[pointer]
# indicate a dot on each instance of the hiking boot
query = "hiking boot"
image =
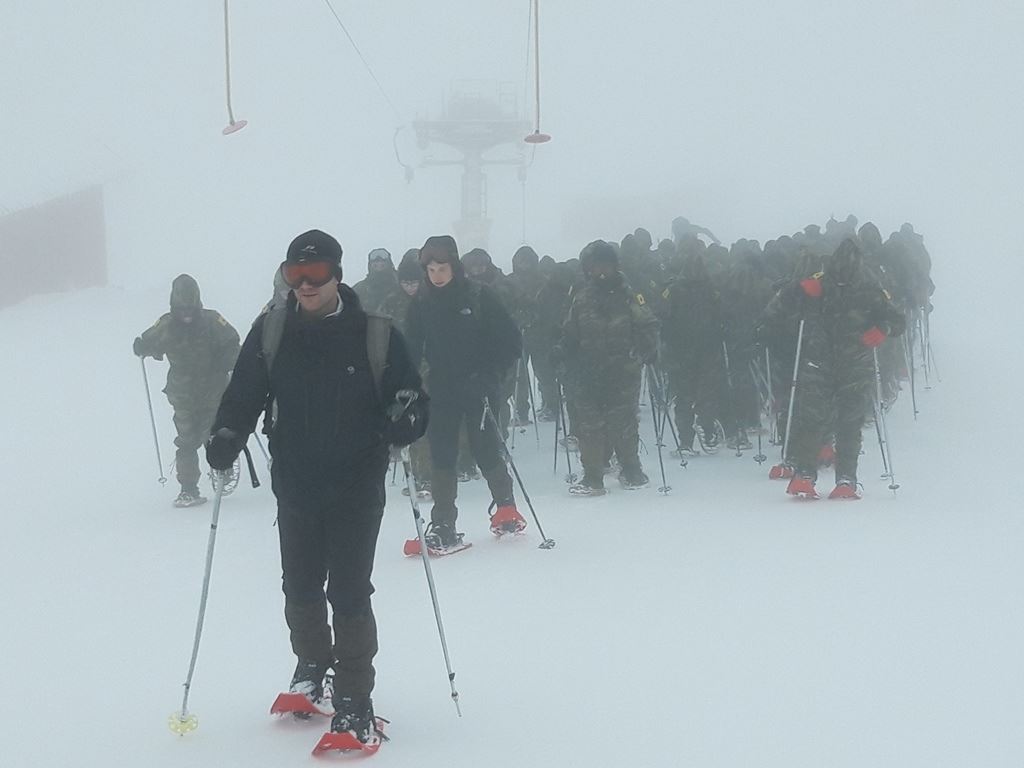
(738, 442)
(189, 497)
(711, 439)
(354, 714)
(683, 452)
(588, 486)
(633, 479)
(442, 536)
(308, 679)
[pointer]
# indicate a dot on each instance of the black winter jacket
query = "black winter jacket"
(329, 432)
(463, 331)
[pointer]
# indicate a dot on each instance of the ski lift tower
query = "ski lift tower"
(479, 118)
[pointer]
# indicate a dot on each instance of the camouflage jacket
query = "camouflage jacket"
(201, 354)
(376, 289)
(834, 322)
(609, 326)
(694, 325)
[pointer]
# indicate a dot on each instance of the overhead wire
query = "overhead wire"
(366, 64)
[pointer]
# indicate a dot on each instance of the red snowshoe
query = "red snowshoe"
(781, 471)
(845, 490)
(347, 742)
(300, 705)
(412, 548)
(802, 487)
(506, 519)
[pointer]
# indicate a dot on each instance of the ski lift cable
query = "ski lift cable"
(529, 46)
(536, 137)
(233, 125)
(362, 58)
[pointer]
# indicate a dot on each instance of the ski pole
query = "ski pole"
(411, 485)
(570, 476)
(252, 467)
(183, 722)
(659, 434)
(152, 421)
(881, 442)
(762, 405)
(919, 322)
(908, 357)
(893, 485)
(533, 404)
(546, 543)
(740, 433)
(792, 391)
(773, 403)
(666, 413)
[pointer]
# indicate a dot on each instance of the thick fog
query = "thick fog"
(720, 624)
(753, 120)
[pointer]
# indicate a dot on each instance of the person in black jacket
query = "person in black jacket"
(336, 413)
(470, 342)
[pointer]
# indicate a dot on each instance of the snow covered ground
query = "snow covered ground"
(722, 625)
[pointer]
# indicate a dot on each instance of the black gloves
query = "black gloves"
(223, 448)
(407, 418)
(137, 348)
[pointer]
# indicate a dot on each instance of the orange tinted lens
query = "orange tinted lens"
(316, 273)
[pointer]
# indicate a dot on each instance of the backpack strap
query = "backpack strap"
(273, 331)
(274, 317)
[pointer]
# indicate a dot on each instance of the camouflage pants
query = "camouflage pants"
(606, 421)
(696, 391)
(544, 370)
(419, 456)
(827, 404)
(192, 422)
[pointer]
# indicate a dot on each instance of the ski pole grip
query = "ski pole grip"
(252, 467)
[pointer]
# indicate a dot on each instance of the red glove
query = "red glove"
(873, 336)
(811, 286)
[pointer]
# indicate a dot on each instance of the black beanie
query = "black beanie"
(314, 246)
(410, 272)
(439, 248)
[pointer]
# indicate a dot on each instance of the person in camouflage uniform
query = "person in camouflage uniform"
(745, 292)
(846, 314)
(527, 279)
(552, 307)
(380, 283)
(201, 347)
(693, 335)
(607, 338)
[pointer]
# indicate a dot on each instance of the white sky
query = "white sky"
(751, 118)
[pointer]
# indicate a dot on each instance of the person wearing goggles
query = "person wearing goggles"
(335, 415)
